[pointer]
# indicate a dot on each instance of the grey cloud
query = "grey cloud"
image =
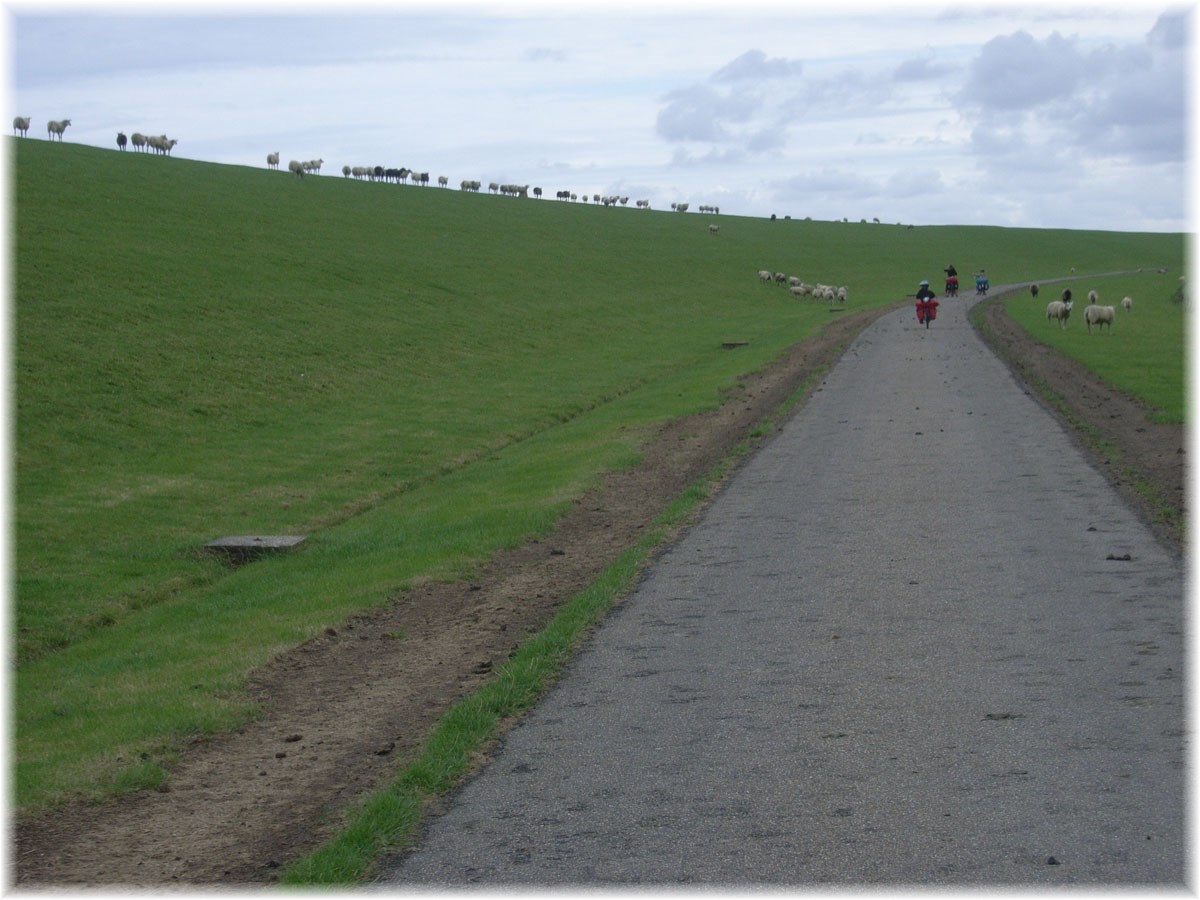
(921, 69)
(1018, 72)
(544, 54)
(1170, 31)
(700, 113)
(1035, 97)
(754, 65)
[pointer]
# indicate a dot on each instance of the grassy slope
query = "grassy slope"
(413, 376)
(1144, 354)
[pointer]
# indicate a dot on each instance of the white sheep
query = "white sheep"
(1127, 304)
(53, 128)
(1060, 310)
(764, 276)
(296, 168)
(714, 229)
(139, 141)
(273, 160)
(841, 294)
(1093, 298)
(797, 291)
(1099, 316)
(21, 124)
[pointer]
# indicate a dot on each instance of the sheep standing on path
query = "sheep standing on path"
(53, 128)
(21, 124)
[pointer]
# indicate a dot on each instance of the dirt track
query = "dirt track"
(341, 712)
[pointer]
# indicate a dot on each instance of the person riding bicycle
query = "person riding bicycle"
(951, 280)
(981, 282)
(926, 304)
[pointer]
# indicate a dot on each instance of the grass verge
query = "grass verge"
(387, 821)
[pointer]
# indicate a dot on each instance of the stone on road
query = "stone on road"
(917, 639)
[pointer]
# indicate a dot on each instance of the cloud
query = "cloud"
(544, 54)
(921, 68)
(1017, 73)
(700, 113)
(754, 65)
(1036, 97)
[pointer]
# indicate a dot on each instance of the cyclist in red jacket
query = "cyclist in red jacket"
(926, 304)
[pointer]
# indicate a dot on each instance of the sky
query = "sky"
(1040, 115)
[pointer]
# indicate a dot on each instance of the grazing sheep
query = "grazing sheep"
(798, 290)
(1059, 309)
(273, 160)
(764, 276)
(1098, 316)
(121, 140)
(841, 294)
(714, 229)
(53, 128)
(21, 124)
(1127, 304)
(296, 168)
(1033, 289)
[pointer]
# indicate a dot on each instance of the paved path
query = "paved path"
(896, 650)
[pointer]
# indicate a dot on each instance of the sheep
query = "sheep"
(21, 124)
(121, 140)
(443, 181)
(841, 294)
(296, 168)
(139, 141)
(53, 128)
(1093, 298)
(714, 229)
(797, 290)
(1098, 316)
(1033, 289)
(1127, 304)
(764, 276)
(273, 160)
(346, 171)
(1060, 310)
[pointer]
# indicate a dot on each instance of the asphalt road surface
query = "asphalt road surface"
(916, 640)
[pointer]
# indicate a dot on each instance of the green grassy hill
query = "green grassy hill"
(413, 377)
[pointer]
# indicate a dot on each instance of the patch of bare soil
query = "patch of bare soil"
(341, 713)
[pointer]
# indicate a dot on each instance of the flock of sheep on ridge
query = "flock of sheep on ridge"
(162, 144)
(1057, 310)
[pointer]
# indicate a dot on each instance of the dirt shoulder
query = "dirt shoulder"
(341, 713)
(1143, 459)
